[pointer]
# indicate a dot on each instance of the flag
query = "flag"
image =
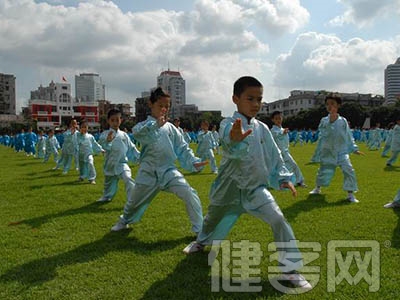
(64, 79)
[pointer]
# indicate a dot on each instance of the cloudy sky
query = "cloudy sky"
(337, 45)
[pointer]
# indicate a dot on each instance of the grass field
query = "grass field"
(55, 240)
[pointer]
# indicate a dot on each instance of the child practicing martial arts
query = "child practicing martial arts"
(251, 161)
(87, 145)
(162, 144)
(206, 144)
(281, 138)
(52, 146)
(41, 145)
(395, 146)
(119, 149)
(69, 147)
(336, 143)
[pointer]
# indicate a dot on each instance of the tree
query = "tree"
(354, 113)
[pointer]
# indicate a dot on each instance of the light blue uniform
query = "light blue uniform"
(69, 150)
(52, 147)
(187, 137)
(282, 141)
(161, 147)
(87, 145)
(388, 142)
(395, 145)
(336, 144)
(397, 197)
(316, 158)
(375, 139)
(41, 146)
(216, 139)
(246, 169)
(118, 152)
(206, 144)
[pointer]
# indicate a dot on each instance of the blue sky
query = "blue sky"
(337, 45)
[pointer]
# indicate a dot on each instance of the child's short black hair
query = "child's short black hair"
(83, 122)
(157, 94)
(334, 97)
(276, 112)
(243, 83)
(113, 112)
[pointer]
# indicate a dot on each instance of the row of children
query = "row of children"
(251, 163)
(253, 160)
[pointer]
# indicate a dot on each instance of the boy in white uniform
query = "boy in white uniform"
(337, 143)
(281, 138)
(250, 162)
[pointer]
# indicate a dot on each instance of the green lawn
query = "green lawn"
(55, 240)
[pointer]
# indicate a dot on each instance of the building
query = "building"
(142, 109)
(392, 83)
(7, 94)
(89, 88)
(174, 84)
(124, 108)
(304, 100)
(53, 106)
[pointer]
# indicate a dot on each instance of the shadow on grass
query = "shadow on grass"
(310, 203)
(194, 174)
(74, 182)
(43, 174)
(191, 279)
(41, 270)
(92, 208)
(311, 163)
(396, 231)
(392, 169)
(27, 163)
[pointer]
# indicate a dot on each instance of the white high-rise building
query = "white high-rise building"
(173, 83)
(89, 88)
(392, 83)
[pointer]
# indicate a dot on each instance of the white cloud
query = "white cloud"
(365, 12)
(319, 61)
(129, 49)
(278, 17)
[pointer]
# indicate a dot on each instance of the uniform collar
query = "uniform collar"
(237, 115)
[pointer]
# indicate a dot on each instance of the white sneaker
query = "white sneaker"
(352, 199)
(297, 280)
(315, 191)
(193, 247)
(92, 182)
(119, 226)
(103, 199)
(393, 204)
